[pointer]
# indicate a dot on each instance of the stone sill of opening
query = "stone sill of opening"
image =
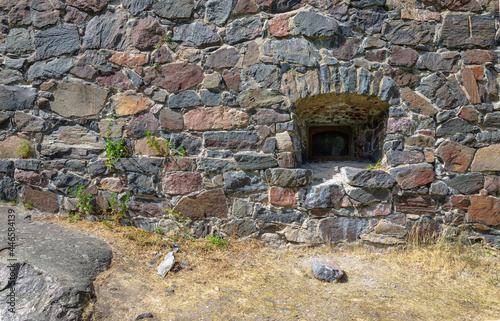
(330, 170)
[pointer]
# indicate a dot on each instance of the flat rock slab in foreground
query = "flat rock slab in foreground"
(55, 265)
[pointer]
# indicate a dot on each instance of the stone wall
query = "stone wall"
(237, 83)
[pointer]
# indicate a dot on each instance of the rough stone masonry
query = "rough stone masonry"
(239, 84)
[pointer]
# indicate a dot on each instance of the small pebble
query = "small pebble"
(216, 288)
(185, 265)
(143, 315)
(169, 291)
(152, 262)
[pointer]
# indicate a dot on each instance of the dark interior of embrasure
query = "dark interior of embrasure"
(341, 128)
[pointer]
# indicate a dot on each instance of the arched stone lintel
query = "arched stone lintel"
(338, 80)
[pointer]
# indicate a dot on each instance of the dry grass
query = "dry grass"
(246, 281)
(452, 281)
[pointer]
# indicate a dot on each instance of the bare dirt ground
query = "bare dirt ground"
(246, 281)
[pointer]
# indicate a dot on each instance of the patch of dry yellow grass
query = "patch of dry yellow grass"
(247, 281)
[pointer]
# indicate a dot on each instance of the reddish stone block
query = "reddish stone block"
(174, 77)
(420, 14)
(280, 26)
(429, 156)
(126, 105)
(44, 201)
(215, 118)
(8, 145)
(207, 204)
(478, 72)
(179, 164)
(472, 57)
(74, 16)
(89, 5)
(138, 126)
(282, 196)
(347, 48)
(398, 125)
(457, 201)
(426, 132)
(223, 58)
(470, 85)
(213, 203)
(162, 55)
(468, 114)
(349, 202)
(487, 159)
(415, 204)
(189, 208)
(401, 56)
(418, 102)
(269, 116)
(129, 60)
(377, 55)
(286, 160)
(404, 77)
(116, 80)
(484, 209)
(84, 72)
(146, 34)
(147, 207)
(32, 178)
(492, 183)
(263, 131)
(409, 177)
(179, 183)
(245, 6)
(111, 184)
(379, 209)
(232, 78)
(171, 120)
(456, 157)
(142, 148)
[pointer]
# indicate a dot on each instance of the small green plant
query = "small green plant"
(156, 65)
(182, 151)
(167, 149)
(114, 150)
(84, 206)
(159, 230)
(217, 241)
(181, 222)
(378, 165)
(119, 207)
(23, 150)
(124, 204)
(165, 39)
(28, 205)
(74, 217)
(107, 224)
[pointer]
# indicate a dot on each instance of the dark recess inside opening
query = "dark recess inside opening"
(330, 143)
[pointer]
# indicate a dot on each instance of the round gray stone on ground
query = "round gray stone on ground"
(326, 270)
